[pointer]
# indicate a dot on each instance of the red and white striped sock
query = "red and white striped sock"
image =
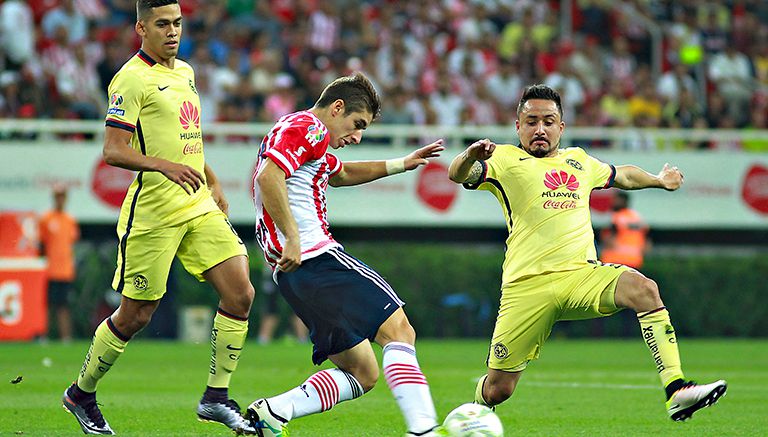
(409, 386)
(320, 392)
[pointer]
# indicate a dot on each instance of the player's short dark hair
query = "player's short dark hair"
(357, 92)
(143, 7)
(543, 92)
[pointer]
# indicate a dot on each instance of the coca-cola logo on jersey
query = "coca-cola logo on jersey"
(754, 190)
(110, 184)
(193, 149)
(434, 188)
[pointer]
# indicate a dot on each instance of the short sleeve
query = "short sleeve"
(297, 144)
(126, 97)
(602, 174)
(334, 164)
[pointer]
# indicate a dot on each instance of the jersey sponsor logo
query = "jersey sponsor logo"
(500, 351)
(140, 282)
(555, 179)
(115, 100)
(314, 135)
(575, 164)
(193, 149)
(183, 136)
(189, 115)
(115, 111)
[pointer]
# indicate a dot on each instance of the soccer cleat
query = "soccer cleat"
(268, 424)
(693, 397)
(226, 413)
(437, 431)
(88, 415)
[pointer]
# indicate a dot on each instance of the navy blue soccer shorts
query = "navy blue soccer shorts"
(340, 299)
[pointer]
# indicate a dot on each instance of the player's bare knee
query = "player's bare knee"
(648, 296)
(366, 376)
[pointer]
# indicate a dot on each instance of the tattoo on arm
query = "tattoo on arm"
(475, 173)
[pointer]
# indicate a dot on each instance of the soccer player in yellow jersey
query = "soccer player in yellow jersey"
(174, 207)
(550, 270)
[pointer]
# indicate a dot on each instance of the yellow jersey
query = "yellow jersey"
(546, 207)
(160, 106)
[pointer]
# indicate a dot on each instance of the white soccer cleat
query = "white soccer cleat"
(693, 397)
(437, 431)
(266, 422)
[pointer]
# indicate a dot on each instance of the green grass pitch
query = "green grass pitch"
(576, 388)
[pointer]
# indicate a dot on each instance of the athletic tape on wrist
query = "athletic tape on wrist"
(395, 166)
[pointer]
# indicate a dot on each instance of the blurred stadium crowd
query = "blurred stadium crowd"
(443, 62)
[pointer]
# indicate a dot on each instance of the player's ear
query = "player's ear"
(337, 107)
(140, 29)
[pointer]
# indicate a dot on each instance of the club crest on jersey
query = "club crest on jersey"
(575, 164)
(500, 351)
(140, 282)
(314, 135)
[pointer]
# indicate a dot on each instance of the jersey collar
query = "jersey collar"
(145, 57)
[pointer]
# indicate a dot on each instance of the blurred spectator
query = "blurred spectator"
(58, 233)
(447, 105)
(714, 37)
(571, 91)
(17, 34)
(79, 87)
(506, 85)
(626, 240)
(395, 109)
(619, 62)
(65, 15)
(645, 107)
(731, 72)
(513, 34)
(683, 111)
(673, 82)
(614, 106)
(281, 100)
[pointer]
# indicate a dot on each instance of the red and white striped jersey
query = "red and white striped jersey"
(298, 144)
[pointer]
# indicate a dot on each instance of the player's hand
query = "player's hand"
(185, 176)
(481, 150)
(291, 258)
(219, 198)
(421, 156)
(671, 178)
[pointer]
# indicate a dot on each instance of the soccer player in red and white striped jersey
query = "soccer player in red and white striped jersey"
(345, 304)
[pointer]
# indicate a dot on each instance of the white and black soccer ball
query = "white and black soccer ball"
(473, 420)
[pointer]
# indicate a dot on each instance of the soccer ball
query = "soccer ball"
(473, 420)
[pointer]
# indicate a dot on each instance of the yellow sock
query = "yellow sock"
(106, 347)
(479, 399)
(227, 338)
(659, 336)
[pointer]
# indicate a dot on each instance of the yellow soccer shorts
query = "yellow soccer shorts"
(144, 256)
(531, 306)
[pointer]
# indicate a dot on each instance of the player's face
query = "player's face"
(539, 127)
(346, 128)
(161, 31)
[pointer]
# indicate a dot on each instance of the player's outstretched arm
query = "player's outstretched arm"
(216, 191)
(274, 195)
(630, 177)
(118, 153)
(463, 164)
(360, 172)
